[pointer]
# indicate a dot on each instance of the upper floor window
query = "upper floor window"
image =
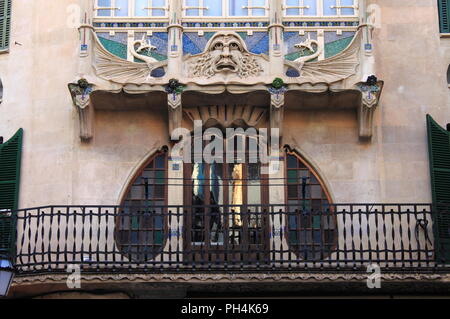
(225, 8)
(5, 23)
(131, 8)
(326, 8)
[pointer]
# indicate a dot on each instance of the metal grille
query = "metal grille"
(397, 237)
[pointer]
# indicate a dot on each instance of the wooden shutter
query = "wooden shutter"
(444, 7)
(439, 153)
(10, 158)
(5, 23)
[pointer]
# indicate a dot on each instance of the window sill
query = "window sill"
(445, 35)
(4, 51)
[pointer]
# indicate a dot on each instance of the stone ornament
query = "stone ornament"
(311, 45)
(226, 115)
(371, 92)
(174, 89)
(143, 45)
(277, 90)
(334, 69)
(112, 68)
(80, 93)
(226, 54)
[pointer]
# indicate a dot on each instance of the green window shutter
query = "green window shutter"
(5, 23)
(444, 15)
(439, 152)
(10, 158)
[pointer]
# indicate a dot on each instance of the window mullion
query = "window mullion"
(320, 8)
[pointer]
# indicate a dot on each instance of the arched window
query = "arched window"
(448, 75)
(142, 223)
(224, 202)
(311, 222)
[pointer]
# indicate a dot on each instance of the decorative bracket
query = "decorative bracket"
(371, 92)
(277, 90)
(80, 92)
(174, 90)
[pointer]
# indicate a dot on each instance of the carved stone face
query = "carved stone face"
(226, 53)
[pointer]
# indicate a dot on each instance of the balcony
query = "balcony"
(226, 239)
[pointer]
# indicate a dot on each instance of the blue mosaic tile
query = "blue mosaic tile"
(193, 43)
(292, 73)
(331, 36)
(120, 37)
(225, 24)
(158, 39)
(258, 43)
(130, 24)
(158, 73)
(190, 47)
(293, 38)
(320, 24)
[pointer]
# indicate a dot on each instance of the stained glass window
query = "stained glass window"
(141, 223)
(311, 222)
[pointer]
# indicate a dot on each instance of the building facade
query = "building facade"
(97, 94)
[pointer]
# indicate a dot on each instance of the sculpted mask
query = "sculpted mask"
(226, 53)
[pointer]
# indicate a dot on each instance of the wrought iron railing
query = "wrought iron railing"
(344, 237)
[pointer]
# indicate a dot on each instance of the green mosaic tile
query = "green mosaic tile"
(154, 55)
(335, 47)
(116, 48)
(295, 55)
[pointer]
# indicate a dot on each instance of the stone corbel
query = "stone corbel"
(371, 92)
(80, 92)
(277, 90)
(174, 90)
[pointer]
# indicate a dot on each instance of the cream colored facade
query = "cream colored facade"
(58, 168)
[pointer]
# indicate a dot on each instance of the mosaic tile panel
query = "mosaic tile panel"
(116, 44)
(335, 43)
(195, 44)
(257, 43)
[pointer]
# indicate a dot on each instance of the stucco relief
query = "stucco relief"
(227, 54)
(80, 93)
(226, 115)
(112, 68)
(334, 69)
